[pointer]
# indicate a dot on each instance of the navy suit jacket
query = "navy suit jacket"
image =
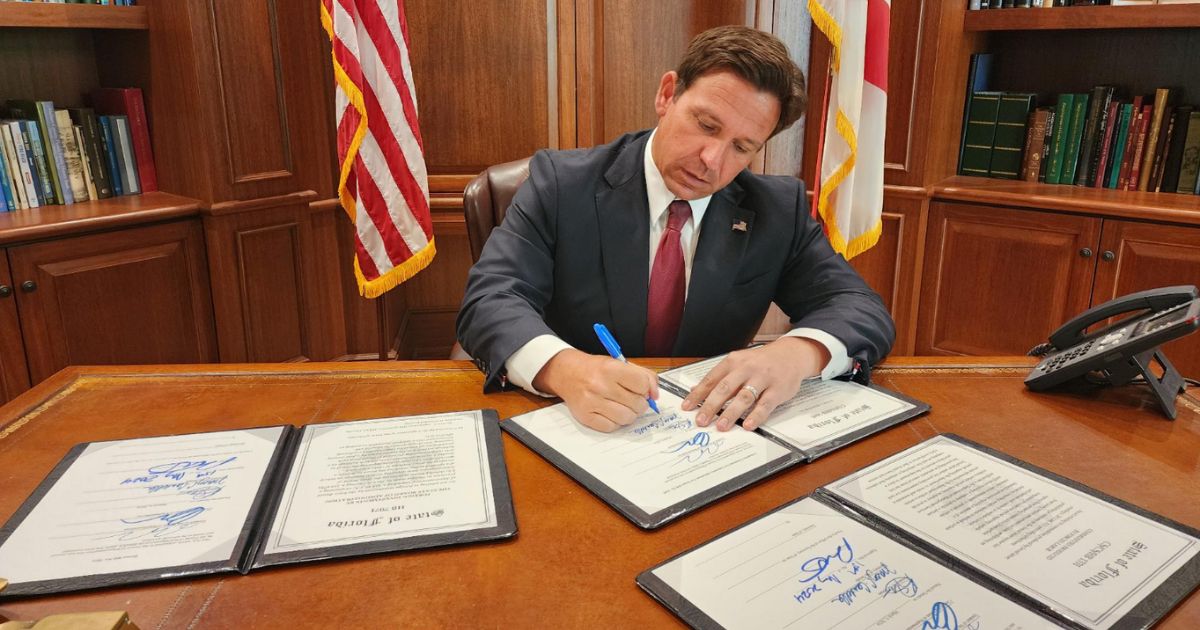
(574, 249)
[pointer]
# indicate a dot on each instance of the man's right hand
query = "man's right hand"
(601, 392)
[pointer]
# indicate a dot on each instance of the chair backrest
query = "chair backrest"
(487, 197)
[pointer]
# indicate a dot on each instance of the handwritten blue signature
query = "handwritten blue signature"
(202, 473)
(696, 448)
(941, 617)
(815, 567)
(157, 525)
(668, 422)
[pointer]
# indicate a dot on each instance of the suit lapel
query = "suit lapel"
(716, 263)
(622, 216)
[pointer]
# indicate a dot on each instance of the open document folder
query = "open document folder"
(663, 466)
(154, 508)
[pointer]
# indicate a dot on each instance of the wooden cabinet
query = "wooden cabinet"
(126, 297)
(14, 375)
(999, 280)
(891, 266)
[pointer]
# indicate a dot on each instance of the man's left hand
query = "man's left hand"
(755, 381)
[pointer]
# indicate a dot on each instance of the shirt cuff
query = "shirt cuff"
(524, 364)
(839, 361)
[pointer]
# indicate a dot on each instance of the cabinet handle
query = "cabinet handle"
(1108, 256)
(29, 286)
(5, 290)
(1085, 252)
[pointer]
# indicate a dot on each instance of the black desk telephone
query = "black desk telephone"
(1125, 350)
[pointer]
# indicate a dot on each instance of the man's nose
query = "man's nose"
(711, 155)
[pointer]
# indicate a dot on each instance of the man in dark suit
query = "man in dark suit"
(576, 248)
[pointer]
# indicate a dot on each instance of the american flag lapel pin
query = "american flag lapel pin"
(740, 226)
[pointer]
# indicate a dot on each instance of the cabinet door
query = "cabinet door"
(14, 375)
(997, 281)
(1146, 256)
(890, 266)
(129, 297)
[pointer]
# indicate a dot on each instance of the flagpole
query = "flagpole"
(816, 180)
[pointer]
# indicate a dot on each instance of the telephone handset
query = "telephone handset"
(1118, 353)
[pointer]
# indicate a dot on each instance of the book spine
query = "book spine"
(55, 157)
(1189, 168)
(977, 81)
(1099, 174)
(1139, 149)
(38, 163)
(1135, 123)
(23, 159)
(1047, 143)
(14, 169)
(94, 141)
(1121, 141)
(1062, 125)
(1075, 138)
(1009, 141)
(129, 175)
(88, 181)
(1161, 97)
(1169, 181)
(1097, 106)
(6, 197)
(139, 134)
(110, 155)
(1160, 155)
(1034, 143)
(981, 133)
(71, 156)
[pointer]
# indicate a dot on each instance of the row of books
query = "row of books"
(54, 156)
(1099, 140)
(1045, 4)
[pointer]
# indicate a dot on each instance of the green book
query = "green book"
(1118, 156)
(1058, 141)
(1189, 170)
(981, 133)
(1012, 119)
(1075, 138)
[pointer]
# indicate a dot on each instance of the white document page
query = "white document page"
(821, 411)
(143, 504)
(1086, 558)
(660, 459)
(807, 566)
(826, 410)
(382, 479)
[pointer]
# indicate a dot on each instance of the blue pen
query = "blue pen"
(610, 344)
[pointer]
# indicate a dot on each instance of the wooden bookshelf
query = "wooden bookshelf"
(1075, 18)
(89, 216)
(1173, 207)
(39, 15)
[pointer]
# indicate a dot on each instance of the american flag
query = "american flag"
(382, 182)
(850, 177)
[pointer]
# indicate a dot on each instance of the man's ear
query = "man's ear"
(666, 93)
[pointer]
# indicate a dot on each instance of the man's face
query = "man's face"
(708, 133)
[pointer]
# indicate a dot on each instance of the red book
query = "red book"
(1135, 169)
(128, 102)
(1106, 146)
(1135, 122)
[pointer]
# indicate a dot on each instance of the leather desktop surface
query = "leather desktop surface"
(574, 560)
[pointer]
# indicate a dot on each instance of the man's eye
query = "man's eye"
(707, 127)
(740, 148)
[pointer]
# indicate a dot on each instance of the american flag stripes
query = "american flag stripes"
(850, 183)
(382, 182)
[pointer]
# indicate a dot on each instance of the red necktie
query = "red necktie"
(667, 285)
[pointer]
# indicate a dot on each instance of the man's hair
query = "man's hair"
(758, 57)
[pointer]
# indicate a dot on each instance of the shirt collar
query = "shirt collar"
(659, 196)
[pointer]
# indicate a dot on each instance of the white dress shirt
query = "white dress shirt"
(524, 364)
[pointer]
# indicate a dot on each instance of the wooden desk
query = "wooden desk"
(574, 560)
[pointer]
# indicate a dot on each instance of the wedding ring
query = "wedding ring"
(753, 391)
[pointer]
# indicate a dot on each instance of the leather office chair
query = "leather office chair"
(485, 200)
